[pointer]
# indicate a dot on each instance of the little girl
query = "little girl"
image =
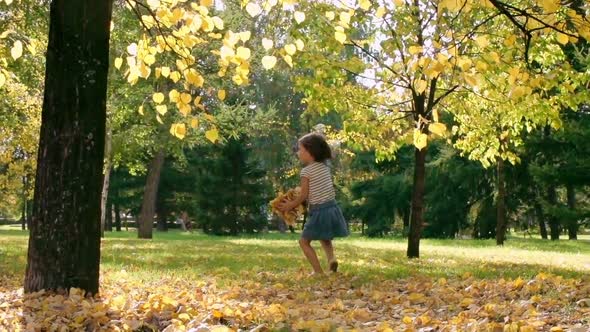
(325, 220)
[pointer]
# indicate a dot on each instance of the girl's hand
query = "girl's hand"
(286, 206)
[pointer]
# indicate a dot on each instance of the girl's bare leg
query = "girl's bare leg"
(329, 250)
(311, 255)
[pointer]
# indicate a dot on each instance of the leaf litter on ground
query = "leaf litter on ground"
(288, 301)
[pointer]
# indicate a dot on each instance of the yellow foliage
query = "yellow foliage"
(289, 217)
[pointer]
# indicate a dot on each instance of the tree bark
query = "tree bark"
(148, 206)
(417, 213)
(541, 221)
(23, 218)
(553, 221)
(572, 225)
(108, 225)
(162, 218)
(117, 216)
(105, 185)
(64, 243)
(500, 204)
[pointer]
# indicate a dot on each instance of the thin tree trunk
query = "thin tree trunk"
(117, 216)
(553, 221)
(64, 242)
(108, 226)
(500, 205)
(572, 225)
(23, 218)
(148, 206)
(106, 181)
(541, 221)
(417, 212)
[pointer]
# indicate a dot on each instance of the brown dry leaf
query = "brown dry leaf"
(292, 216)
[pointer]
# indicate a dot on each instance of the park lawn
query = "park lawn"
(180, 280)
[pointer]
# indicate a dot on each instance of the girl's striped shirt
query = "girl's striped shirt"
(321, 188)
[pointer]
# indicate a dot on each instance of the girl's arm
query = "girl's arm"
(304, 187)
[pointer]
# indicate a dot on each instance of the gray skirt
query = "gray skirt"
(325, 222)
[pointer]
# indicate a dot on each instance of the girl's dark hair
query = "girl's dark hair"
(317, 146)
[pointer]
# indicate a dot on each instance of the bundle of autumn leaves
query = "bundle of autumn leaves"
(290, 217)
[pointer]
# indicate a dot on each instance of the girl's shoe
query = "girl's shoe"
(334, 266)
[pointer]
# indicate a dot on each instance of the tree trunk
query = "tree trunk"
(417, 213)
(553, 221)
(64, 243)
(162, 218)
(572, 225)
(105, 184)
(500, 205)
(148, 206)
(541, 220)
(117, 216)
(23, 218)
(108, 226)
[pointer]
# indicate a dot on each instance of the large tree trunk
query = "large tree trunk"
(64, 243)
(572, 224)
(553, 221)
(417, 213)
(541, 220)
(105, 185)
(108, 225)
(148, 206)
(500, 204)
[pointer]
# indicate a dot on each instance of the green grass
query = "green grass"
(229, 259)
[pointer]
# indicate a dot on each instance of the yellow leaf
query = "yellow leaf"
(437, 128)
(470, 79)
(162, 109)
(221, 94)
(288, 60)
(118, 63)
(132, 49)
(299, 17)
(415, 49)
(184, 316)
(243, 53)
(365, 4)
(158, 97)
(8, 2)
(140, 110)
(253, 9)
(218, 22)
(482, 41)
(330, 15)
(149, 59)
(178, 130)
(17, 50)
(345, 18)
(153, 3)
(245, 36)
(420, 86)
(194, 123)
(340, 35)
(159, 119)
(212, 135)
(185, 98)
(269, 61)
(407, 320)
(175, 76)
(299, 44)
(290, 49)
(267, 43)
(420, 142)
(550, 6)
(435, 115)
(173, 95)
(206, 3)
(165, 71)
(381, 11)
(562, 38)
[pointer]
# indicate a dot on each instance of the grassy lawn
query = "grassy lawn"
(269, 278)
